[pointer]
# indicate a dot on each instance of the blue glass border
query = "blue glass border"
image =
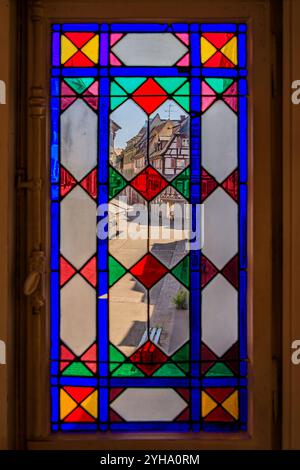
(195, 72)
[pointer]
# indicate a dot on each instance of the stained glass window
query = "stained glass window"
(148, 151)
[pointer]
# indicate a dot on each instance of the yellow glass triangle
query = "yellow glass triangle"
(67, 49)
(208, 404)
(207, 49)
(90, 404)
(67, 404)
(230, 50)
(231, 405)
(91, 49)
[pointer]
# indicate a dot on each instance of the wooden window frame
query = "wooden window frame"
(262, 160)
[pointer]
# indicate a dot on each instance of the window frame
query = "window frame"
(260, 293)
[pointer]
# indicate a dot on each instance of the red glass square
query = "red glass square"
(148, 270)
(149, 183)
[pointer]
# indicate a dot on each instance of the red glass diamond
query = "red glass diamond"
(208, 184)
(231, 185)
(67, 182)
(79, 60)
(149, 96)
(219, 394)
(65, 353)
(230, 271)
(208, 271)
(148, 358)
(208, 358)
(89, 271)
(148, 270)
(218, 39)
(79, 39)
(66, 101)
(231, 358)
(219, 60)
(184, 416)
(149, 183)
(66, 271)
(89, 183)
(78, 393)
(66, 90)
(219, 414)
(79, 415)
(92, 101)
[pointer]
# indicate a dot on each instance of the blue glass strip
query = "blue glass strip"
(195, 408)
(243, 402)
(149, 382)
(55, 89)
(243, 163)
(195, 49)
(195, 322)
(103, 405)
(78, 427)
(53, 380)
(54, 105)
(221, 427)
(103, 131)
(102, 242)
(80, 27)
(102, 249)
(54, 402)
(54, 299)
(243, 368)
(220, 382)
(149, 72)
(195, 256)
(54, 170)
(79, 71)
(56, 27)
(104, 49)
(154, 426)
(243, 86)
(219, 72)
(194, 27)
(218, 27)
(242, 28)
(139, 27)
(54, 235)
(55, 48)
(79, 381)
(54, 191)
(54, 367)
(243, 226)
(242, 55)
(180, 27)
(54, 427)
(195, 260)
(103, 322)
(243, 314)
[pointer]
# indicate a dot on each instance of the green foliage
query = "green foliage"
(180, 300)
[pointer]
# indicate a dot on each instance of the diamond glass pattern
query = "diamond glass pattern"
(148, 333)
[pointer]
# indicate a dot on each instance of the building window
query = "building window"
(148, 333)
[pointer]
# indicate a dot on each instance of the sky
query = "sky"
(131, 118)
